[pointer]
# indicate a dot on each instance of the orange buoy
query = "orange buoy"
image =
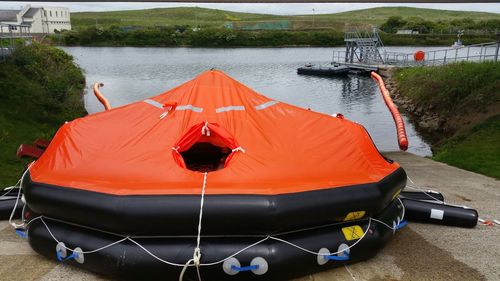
(419, 55)
(400, 125)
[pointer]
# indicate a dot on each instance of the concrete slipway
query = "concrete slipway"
(418, 252)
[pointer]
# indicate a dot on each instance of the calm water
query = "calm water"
(132, 74)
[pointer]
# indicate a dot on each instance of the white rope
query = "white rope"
(83, 252)
(176, 149)
(239, 148)
(164, 114)
(426, 192)
(212, 263)
(205, 130)
(483, 221)
(196, 260)
(8, 191)
(197, 252)
(316, 253)
(20, 184)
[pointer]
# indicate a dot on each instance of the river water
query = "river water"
(132, 74)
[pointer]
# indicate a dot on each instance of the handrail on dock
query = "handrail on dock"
(476, 53)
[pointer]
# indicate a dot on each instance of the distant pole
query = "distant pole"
(313, 17)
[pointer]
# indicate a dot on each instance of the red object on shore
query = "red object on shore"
(419, 55)
(41, 143)
(400, 125)
(100, 97)
(26, 150)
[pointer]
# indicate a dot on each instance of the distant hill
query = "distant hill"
(194, 16)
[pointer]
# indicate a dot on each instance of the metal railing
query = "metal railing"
(476, 53)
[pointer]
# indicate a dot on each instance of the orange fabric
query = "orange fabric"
(218, 136)
(128, 150)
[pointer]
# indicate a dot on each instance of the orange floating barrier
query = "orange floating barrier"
(100, 97)
(400, 125)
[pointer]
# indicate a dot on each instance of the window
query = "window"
(56, 15)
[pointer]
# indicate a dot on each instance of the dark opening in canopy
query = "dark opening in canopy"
(205, 157)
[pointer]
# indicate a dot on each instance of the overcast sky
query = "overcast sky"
(279, 9)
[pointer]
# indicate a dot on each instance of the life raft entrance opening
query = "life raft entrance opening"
(205, 157)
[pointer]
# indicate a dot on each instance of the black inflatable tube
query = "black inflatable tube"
(6, 207)
(127, 261)
(437, 213)
(421, 195)
(7, 203)
(223, 214)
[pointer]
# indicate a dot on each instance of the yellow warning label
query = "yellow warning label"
(354, 215)
(352, 232)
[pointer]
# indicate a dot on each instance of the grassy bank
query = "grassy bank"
(477, 150)
(40, 88)
(464, 100)
(222, 37)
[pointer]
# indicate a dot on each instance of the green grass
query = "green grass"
(466, 96)
(40, 88)
(216, 18)
(461, 88)
(477, 150)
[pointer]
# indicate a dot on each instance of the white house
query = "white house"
(36, 19)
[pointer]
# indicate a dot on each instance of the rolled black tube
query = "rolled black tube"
(421, 195)
(430, 212)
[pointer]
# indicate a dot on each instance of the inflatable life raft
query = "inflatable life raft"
(211, 178)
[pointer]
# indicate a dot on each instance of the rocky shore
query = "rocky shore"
(426, 121)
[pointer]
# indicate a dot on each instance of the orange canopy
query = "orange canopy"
(133, 149)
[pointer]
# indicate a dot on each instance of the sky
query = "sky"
(278, 9)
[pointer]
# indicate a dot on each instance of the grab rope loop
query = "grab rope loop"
(167, 108)
(176, 149)
(245, 268)
(338, 258)
(205, 130)
(197, 256)
(239, 148)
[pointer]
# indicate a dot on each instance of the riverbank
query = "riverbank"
(457, 108)
(40, 89)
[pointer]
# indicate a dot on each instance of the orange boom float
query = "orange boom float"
(216, 179)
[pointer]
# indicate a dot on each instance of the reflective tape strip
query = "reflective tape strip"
(154, 103)
(265, 105)
(229, 108)
(189, 107)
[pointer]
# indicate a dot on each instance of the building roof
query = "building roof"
(9, 15)
(31, 12)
